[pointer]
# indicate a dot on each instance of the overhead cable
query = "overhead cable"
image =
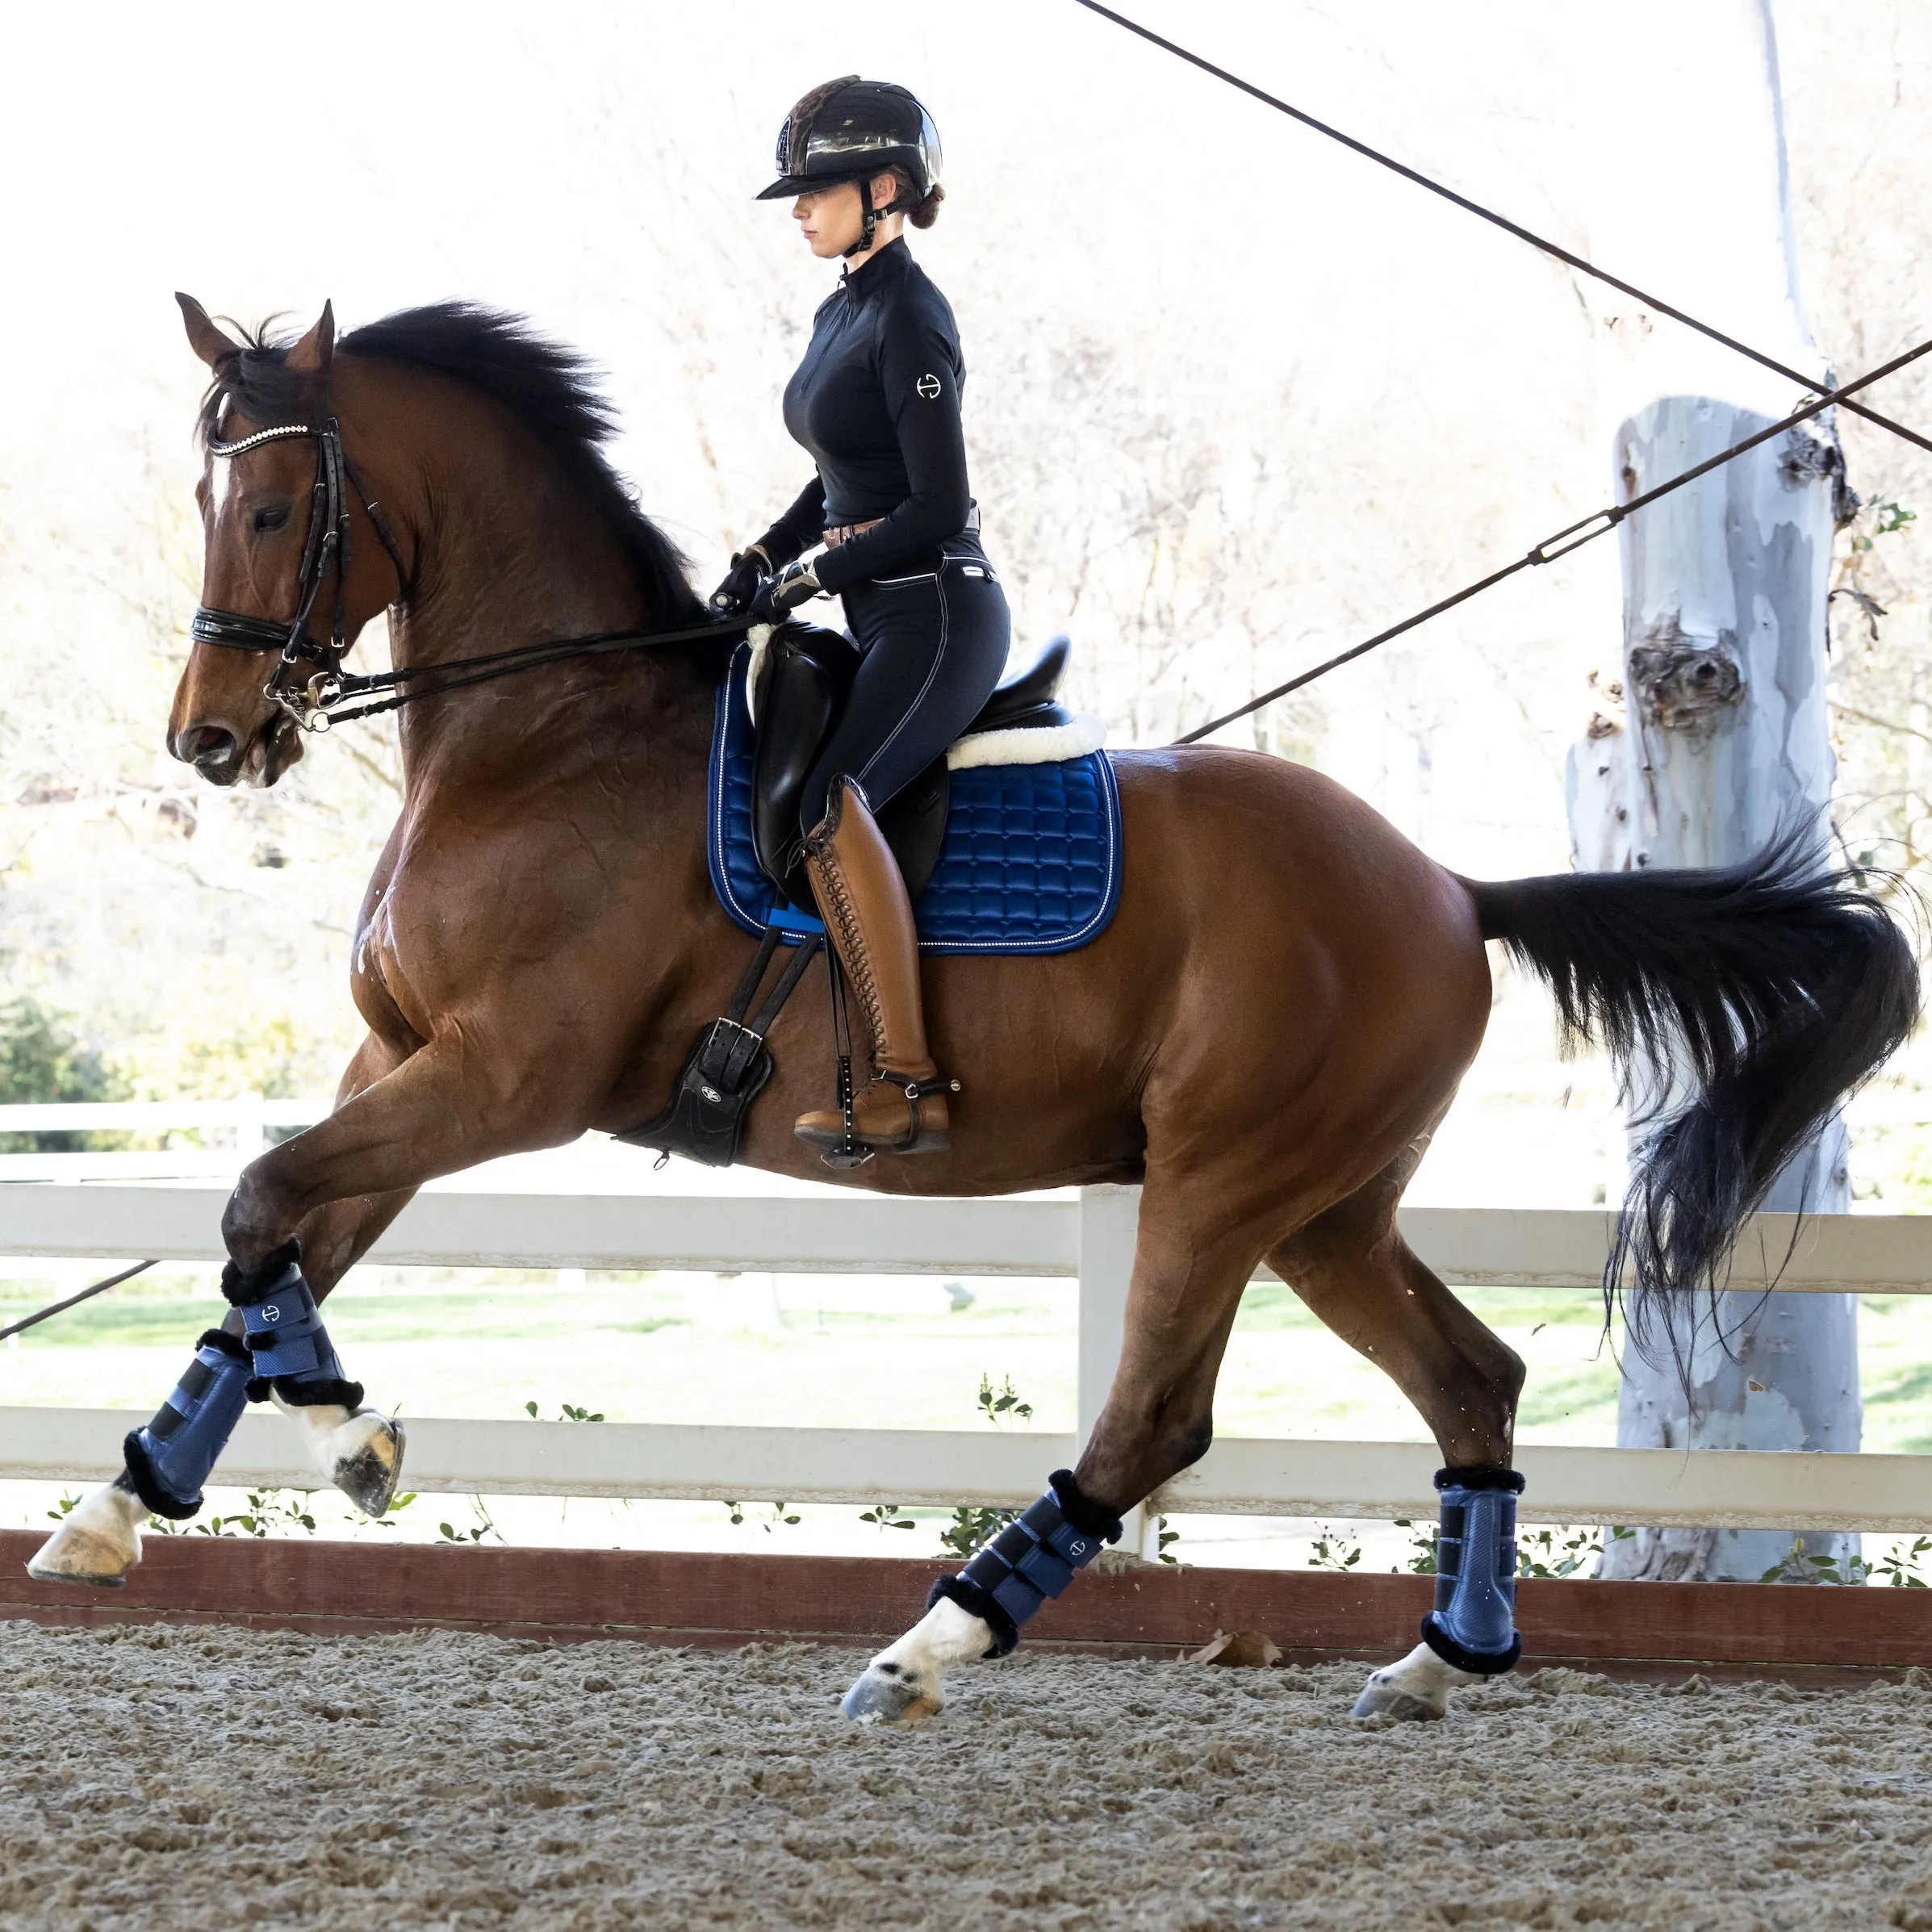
(113, 1281)
(1809, 383)
(1561, 545)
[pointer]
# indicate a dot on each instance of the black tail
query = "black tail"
(1773, 988)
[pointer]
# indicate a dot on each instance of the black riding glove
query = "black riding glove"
(779, 596)
(739, 585)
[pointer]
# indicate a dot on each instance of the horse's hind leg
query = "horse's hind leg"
(1159, 1418)
(1352, 1268)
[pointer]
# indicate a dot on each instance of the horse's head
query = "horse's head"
(270, 550)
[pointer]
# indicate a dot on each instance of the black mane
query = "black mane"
(550, 389)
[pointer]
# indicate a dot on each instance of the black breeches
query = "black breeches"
(932, 648)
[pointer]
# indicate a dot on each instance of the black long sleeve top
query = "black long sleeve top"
(876, 403)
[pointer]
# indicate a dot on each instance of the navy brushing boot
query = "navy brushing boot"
(169, 1460)
(295, 1361)
(1471, 1632)
(980, 1611)
(1474, 1623)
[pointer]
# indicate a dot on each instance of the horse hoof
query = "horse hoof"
(1415, 1690)
(883, 1696)
(1389, 1700)
(97, 1546)
(369, 1462)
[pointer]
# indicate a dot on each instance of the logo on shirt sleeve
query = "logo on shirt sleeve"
(928, 386)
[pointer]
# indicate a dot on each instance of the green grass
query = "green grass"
(152, 1319)
(1560, 1395)
(1270, 1305)
(1912, 1387)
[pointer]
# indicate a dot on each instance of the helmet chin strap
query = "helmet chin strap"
(871, 221)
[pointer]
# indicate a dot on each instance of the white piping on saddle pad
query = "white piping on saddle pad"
(1044, 745)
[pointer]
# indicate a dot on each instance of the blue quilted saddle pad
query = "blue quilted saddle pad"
(1031, 861)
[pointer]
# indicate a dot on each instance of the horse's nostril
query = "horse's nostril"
(205, 746)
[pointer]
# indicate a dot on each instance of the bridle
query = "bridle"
(322, 699)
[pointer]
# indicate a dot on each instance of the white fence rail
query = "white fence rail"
(1089, 1237)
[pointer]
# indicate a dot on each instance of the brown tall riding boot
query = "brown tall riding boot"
(868, 920)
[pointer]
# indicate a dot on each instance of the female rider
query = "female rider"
(876, 403)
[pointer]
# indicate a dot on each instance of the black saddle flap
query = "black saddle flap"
(802, 687)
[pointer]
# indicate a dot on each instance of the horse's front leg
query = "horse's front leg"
(98, 1542)
(1158, 1418)
(302, 1215)
(443, 1110)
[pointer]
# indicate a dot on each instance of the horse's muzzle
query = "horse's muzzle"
(212, 749)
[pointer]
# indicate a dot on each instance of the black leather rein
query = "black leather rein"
(323, 699)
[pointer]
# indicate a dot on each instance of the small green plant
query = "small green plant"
(1888, 517)
(1552, 1553)
(1798, 1565)
(567, 1412)
(885, 1515)
(997, 1403)
(1329, 1552)
(1901, 1569)
(1422, 1562)
(269, 1510)
(1163, 1535)
(779, 1515)
(484, 1526)
(65, 1507)
(970, 1527)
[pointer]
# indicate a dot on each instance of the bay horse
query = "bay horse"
(1264, 1038)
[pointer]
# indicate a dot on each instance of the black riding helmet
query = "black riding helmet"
(850, 130)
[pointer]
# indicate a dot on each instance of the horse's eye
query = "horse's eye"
(270, 517)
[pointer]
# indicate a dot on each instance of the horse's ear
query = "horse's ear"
(207, 341)
(316, 350)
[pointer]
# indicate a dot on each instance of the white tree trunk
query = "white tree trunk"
(1716, 736)
(1722, 743)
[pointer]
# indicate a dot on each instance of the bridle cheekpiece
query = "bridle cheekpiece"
(306, 701)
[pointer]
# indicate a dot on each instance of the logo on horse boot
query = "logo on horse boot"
(270, 1313)
(928, 386)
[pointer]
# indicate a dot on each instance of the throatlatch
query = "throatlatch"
(169, 1461)
(283, 1331)
(1474, 1623)
(1030, 1560)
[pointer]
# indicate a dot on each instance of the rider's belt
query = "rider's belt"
(844, 533)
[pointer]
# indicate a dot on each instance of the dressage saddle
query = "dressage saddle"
(799, 694)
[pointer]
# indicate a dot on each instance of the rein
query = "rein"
(324, 698)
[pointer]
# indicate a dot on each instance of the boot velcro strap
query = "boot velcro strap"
(1034, 1557)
